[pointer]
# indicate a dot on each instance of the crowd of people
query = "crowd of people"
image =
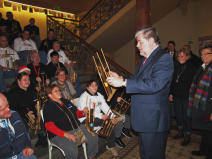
(42, 76)
(180, 76)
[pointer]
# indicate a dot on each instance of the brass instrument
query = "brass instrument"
(34, 123)
(89, 122)
(10, 65)
(103, 72)
(42, 90)
(38, 108)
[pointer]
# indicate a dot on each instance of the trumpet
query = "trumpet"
(89, 122)
(103, 72)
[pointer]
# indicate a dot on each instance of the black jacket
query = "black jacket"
(182, 79)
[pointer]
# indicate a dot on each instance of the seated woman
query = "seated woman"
(60, 118)
(67, 89)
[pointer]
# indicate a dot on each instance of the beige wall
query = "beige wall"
(125, 56)
(24, 16)
(183, 28)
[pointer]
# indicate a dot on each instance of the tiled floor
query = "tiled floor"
(174, 149)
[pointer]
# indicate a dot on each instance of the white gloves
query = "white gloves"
(115, 80)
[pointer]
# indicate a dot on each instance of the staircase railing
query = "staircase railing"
(79, 50)
(101, 12)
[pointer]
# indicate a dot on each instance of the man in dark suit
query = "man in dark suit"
(149, 89)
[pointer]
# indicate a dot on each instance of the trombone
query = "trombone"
(103, 72)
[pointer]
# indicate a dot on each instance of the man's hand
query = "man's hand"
(47, 82)
(211, 117)
(27, 151)
(119, 99)
(85, 110)
(38, 79)
(70, 137)
(116, 81)
(171, 98)
(104, 117)
(31, 115)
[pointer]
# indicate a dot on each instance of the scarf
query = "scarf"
(198, 93)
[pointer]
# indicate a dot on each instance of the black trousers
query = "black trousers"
(206, 144)
(153, 145)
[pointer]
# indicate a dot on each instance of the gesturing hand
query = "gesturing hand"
(70, 137)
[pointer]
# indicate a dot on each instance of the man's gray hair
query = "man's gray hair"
(149, 32)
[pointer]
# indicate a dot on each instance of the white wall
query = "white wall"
(125, 56)
(183, 28)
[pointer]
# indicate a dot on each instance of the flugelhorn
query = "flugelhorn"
(103, 72)
(89, 121)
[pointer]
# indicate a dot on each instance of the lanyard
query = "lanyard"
(36, 72)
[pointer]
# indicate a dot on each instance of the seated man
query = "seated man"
(38, 70)
(101, 113)
(8, 62)
(24, 46)
(54, 65)
(15, 141)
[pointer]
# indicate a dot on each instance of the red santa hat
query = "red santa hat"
(23, 68)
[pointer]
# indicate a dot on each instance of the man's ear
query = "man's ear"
(49, 95)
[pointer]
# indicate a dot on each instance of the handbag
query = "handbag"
(79, 134)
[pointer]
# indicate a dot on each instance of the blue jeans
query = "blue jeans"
(24, 57)
(20, 156)
(4, 75)
(43, 57)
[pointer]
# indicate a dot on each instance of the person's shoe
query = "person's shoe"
(197, 153)
(186, 140)
(126, 132)
(120, 143)
(179, 135)
(113, 151)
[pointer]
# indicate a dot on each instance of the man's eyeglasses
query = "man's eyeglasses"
(206, 54)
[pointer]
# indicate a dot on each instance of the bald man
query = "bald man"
(15, 141)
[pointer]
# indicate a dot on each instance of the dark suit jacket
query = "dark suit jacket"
(149, 87)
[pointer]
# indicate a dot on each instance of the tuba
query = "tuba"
(89, 121)
(103, 72)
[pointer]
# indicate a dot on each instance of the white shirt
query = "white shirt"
(8, 123)
(100, 105)
(12, 57)
(62, 57)
(22, 45)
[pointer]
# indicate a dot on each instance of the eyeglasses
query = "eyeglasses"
(206, 54)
